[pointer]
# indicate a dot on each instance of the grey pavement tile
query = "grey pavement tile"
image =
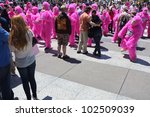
(19, 92)
(119, 97)
(137, 85)
(90, 93)
(52, 65)
(68, 85)
(100, 76)
(57, 93)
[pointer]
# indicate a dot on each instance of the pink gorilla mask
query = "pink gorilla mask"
(35, 10)
(46, 5)
(18, 9)
(55, 10)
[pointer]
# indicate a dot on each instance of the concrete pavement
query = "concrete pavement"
(111, 77)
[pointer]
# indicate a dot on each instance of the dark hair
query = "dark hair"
(94, 11)
(87, 9)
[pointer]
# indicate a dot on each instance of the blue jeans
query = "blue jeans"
(7, 93)
(27, 77)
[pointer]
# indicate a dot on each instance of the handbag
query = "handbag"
(35, 49)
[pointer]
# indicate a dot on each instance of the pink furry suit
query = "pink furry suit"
(115, 36)
(28, 11)
(11, 12)
(19, 11)
(149, 27)
(72, 15)
(36, 22)
(145, 18)
(55, 14)
(94, 7)
(46, 30)
(106, 21)
(130, 34)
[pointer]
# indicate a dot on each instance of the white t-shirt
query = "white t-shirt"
(25, 57)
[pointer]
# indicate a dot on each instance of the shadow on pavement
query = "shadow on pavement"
(51, 51)
(104, 49)
(105, 57)
(15, 81)
(73, 61)
(47, 98)
(138, 60)
(140, 48)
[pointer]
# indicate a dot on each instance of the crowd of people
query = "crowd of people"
(21, 24)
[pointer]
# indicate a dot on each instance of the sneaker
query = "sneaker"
(85, 52)
(59, 56)
(35, 98)
(16, 98)
(78, 52)
(66, 57)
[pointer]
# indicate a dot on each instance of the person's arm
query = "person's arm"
(69, 26)
(56, 26)
(93, 24)
(5, 36)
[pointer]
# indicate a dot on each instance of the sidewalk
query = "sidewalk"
(84, 77)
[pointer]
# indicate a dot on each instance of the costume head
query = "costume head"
(136, 21)
(94, 7)
(18, 9)
(55, 10)
(71, 8)
(145, 11)
(46, 5)
(35, 10)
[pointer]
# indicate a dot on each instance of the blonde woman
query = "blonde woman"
(21, 44)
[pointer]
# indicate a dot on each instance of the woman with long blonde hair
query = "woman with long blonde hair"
(21, 44)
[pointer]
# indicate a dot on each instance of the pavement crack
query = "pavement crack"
(67, 71)
(123, 83)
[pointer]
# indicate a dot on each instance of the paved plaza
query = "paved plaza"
(86, 77)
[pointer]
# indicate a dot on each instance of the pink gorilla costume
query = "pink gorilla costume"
(55, 14)
(36, 22)
(72, 16)
(130, 34)
(115, 36)
(11, 12)
(46, 25)
(145, 18)
(28, 11)
(19, 11)
(94, 7)
(149, 27)
(106, 21)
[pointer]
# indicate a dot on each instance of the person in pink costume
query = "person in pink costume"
(145, 18)
(2, 5)
(28, 11)
(72, 16)
(94, 7)
(130, 34)
(149, 27)
(128, 4)
(106, 21)
(46, 25)
(115, 36)
(19, 11)
(55, 14)
(36, 22)
(77, 20)
(27, 7)
(11, 12)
